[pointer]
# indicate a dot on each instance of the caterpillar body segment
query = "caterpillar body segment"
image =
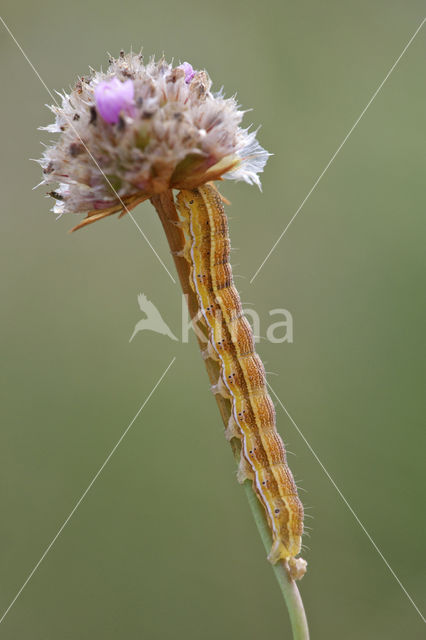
(242, 375)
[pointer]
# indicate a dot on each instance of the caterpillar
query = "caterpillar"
(242, 378)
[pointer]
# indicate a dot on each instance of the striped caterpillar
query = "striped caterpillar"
(242, 376)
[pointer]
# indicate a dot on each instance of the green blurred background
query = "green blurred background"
(164, 545)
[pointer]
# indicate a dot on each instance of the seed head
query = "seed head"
(137, 130)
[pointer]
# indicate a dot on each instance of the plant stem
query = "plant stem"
(292, 597)
(164, 204)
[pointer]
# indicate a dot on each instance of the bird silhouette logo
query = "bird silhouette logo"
(153, 320)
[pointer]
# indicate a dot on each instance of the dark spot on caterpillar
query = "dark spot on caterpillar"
(277, 510)
(121, 125)
(76, 116)
(191, 202)
(93, 115)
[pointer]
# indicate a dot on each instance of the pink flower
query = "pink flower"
(189, 71)
(112, 97)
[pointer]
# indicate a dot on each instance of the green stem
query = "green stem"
(166, 210)
(292, 597)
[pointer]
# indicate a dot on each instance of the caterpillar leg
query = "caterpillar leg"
(231, 430)
(221, 389)
(181, 224)
(197, 324)
(245, 472)
(209, 352)
(297, 568)
(184, 252)
(275, 553)
(180, 254)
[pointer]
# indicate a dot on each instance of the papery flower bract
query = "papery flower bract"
(112, 97)
(138, 130)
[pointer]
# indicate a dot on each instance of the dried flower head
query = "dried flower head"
(137, 130)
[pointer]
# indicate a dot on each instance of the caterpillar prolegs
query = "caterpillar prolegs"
(242, 376)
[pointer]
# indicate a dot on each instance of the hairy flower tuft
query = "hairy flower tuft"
(138, 130)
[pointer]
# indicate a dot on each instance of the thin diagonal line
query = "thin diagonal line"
(348, 505)
(86, 148)
(339, 147)
(78, 503)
